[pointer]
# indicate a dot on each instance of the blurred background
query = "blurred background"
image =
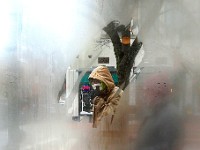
(41, 40)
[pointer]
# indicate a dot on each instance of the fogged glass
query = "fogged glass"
(40, 40)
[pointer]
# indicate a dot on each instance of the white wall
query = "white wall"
(95, 50)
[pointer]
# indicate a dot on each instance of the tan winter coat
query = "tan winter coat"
(106, 105)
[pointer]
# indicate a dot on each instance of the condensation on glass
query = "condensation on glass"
(40, 40)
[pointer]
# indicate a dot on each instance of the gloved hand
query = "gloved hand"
(98, 102)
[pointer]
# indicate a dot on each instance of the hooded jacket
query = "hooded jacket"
(107, 104)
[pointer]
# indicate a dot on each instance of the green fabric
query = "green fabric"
(103, 86)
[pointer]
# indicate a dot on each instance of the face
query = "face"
(95, 84)
(98, 87)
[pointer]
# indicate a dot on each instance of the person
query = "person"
(107, 95)
(125, 52)
(161, 127)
